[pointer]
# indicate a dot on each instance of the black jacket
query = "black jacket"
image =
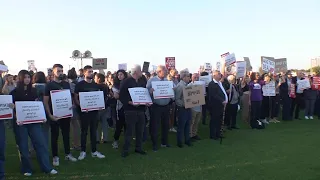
(215, 96)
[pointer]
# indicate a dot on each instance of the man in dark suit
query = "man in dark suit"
(218, 99)
(298, 102)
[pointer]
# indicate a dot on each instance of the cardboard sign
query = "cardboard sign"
(162, 89)
(193, 96)
(99, 63)
(241, 69)
(91, 101)
(281, 65)
(29, 112)
(268, 65)
(122, 66)
(140, 96)
(5, 111)
(201, 83)
(170, 62)
(269, 89)
(145, 67)
(61, 103)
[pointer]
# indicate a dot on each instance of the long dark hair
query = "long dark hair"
(39, 77)
(20, 83)
(116, 80)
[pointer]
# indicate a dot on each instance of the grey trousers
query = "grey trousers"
(103, 116)
(135, 121)
(309, 109)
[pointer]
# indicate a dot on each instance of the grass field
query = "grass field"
(286, 150)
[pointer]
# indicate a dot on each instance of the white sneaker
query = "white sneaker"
(311, 117)
(69, 157)
(98, 155)
(115, 145)
(306, 117)
(27, 174)
(55, 161)
(173, 130)
(53, 172)
(82, 156)
(265, 121)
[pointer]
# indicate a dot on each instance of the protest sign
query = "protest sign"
(241, 69)
(99, 63)
(3, 68)
(170, 62)
(230, 59)
(218, 66)
(140, 96)
(122, 66)
(292, 91)
(29, 112)
(162, 89)
(91, 101)
(269, 89)
(203, 84)
(208, 67)
(193, 96)
(281, 65)
(145, 67)
(303, 84)
(268, 65)
(248, 64)
(207, 79)
(5, 111)
(223, 63)
(61, 103)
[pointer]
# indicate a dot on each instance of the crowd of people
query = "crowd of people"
(224, 96)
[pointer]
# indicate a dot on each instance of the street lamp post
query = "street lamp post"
(76, 54)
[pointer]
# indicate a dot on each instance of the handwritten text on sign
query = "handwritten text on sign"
(162, 89)
(269, 89)
(61, 103)
(193, 96)
(91, 101)
(140, 96)
(5, 111)
(29, 112)
(268, 65)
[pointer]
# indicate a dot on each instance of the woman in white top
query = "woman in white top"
(120, 76)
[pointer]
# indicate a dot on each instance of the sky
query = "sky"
(134, 31)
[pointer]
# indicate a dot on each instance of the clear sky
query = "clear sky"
(133, 31)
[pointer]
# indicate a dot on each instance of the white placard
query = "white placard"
(91, 101)
(122, 66)
(208, 67)
(162, 89)
(203, 84)
(230, 59)
(268, 65)
(29, 112)
(218, 66)
(61, 103)
(241, 68)
(269, 89)
(3, 68)
(5, 111)
(207, 79)
(303, 84)
(140, 95)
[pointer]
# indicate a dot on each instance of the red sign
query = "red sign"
(316, 81)
(225, 54)
(292, 91)
(170, 62)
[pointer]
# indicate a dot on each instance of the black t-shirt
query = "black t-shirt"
(19, 94)
(84, 86)
(53, 85)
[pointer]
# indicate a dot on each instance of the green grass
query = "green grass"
(286, 150)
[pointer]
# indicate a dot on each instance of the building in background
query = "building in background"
(315, 62)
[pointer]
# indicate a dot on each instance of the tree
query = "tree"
(316, 70)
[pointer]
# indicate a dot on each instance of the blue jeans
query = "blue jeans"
(35, 131)
(184, 119)
(2, 148)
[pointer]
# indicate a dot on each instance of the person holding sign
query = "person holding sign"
(134, 114)
(184, 115)
(310, 97)
(52, 88)
(87, 118)
(159, 110)
(2, 147)
(285, 91)
(195, 113)
(298, 101)
(218, 99)
(25, 92)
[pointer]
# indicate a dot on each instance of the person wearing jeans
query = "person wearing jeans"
(310, 97)
(88, 118)
(2, 148)
(57, 123)
(184, 115)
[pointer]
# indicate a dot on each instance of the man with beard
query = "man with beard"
(88, 118)
(58, 122)
(134, 114)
